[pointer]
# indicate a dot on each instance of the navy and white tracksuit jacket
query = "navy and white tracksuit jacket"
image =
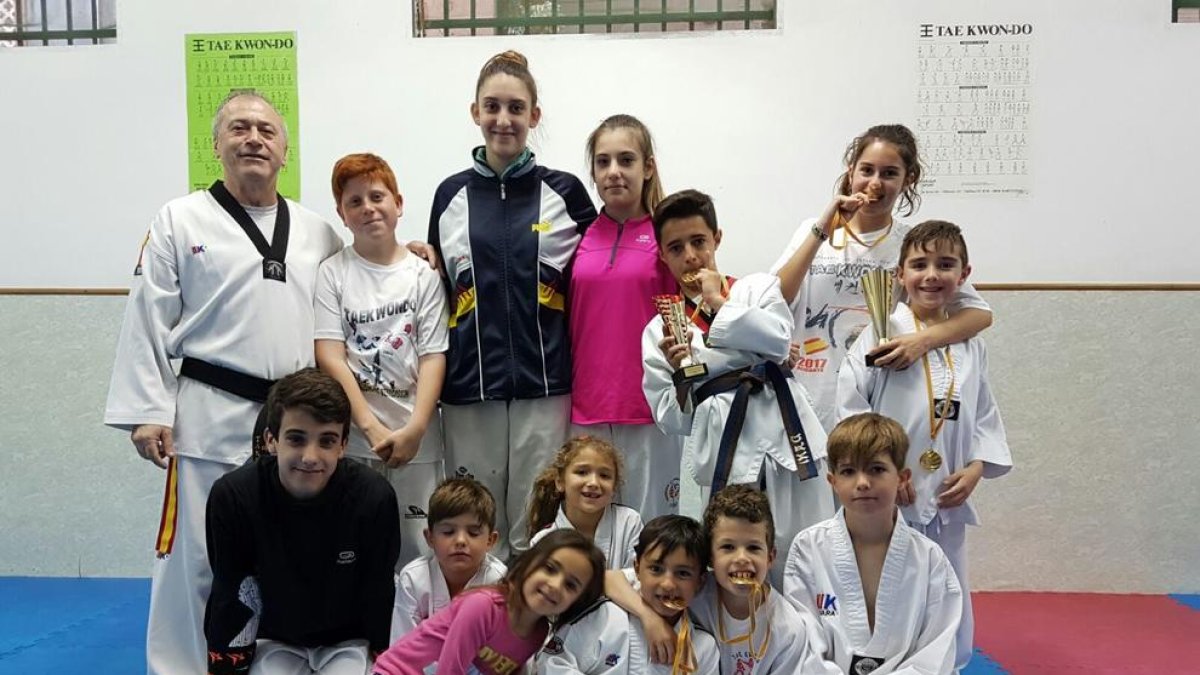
(507, 243)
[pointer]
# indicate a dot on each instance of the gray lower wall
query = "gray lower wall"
(1097, 390)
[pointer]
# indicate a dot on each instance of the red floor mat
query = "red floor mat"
(1034, 633)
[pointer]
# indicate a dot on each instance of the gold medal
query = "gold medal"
(676, 604)
(931, 460)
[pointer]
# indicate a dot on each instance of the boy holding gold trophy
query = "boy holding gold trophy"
(943, 402)
(747, 421)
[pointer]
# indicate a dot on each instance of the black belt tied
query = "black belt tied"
(744, 382)
(228, 380)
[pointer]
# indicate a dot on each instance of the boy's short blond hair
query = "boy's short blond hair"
(929, 234)
(859, 438)
(458, 496)
(743, 502)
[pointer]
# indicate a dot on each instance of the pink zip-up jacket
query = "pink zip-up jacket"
(472, 635)
(615, 275)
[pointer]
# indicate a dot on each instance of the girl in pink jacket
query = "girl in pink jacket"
(494, 630)
(615, 275)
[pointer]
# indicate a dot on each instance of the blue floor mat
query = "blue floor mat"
(56, 625)
(1191, 601)
(982, 664)
(98, 626)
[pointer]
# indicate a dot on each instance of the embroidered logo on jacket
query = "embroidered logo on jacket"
(864, 665)
(946, 412)
(414, 512)
(671, 493)
(543, 226)
(198, 249)
(554, 646)
(346, 557)
(827, 604)
(612, 659)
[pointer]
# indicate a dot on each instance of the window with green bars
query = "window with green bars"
(1185, 11)
(25, 23)
(437, 18)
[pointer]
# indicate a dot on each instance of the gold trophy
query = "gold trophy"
(675, 320)
(879, 290)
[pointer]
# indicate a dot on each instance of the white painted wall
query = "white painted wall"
(759, 119)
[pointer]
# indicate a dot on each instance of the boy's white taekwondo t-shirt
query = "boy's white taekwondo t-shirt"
(388, 316)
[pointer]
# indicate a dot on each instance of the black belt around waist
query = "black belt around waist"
(745, 382)
(248, 387)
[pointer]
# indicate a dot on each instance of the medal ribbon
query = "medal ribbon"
(685, 656)
(840, 222)
(700, 315)
(757, 598)
(936, 421)
(703, 306)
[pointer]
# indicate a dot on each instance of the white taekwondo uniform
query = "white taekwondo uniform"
(972, 431)
(752, 327)
(421, 590)
(780, 644)
(608, 641)
(199, 291)
(917, 608)
(616, 534)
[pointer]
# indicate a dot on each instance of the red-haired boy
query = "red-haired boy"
(381, 332)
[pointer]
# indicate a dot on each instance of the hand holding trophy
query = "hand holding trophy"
(879, 290)
(675, 322)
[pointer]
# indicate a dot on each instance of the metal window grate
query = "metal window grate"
(57, 22)
(438, 18)
(1185, 11)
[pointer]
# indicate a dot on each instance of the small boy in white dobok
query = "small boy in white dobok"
(943, 402)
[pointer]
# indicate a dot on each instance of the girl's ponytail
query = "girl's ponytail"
(544, 499)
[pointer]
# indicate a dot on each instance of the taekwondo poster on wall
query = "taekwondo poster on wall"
(973, 108)
(219, 62)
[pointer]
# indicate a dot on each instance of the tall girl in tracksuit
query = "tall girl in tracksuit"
(616, 273)
(506, 230)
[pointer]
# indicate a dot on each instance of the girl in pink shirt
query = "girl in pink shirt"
(615, 275)
(494, 630)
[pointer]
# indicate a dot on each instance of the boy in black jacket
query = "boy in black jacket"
(302, 544)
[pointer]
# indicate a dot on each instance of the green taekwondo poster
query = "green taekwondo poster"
(219, 62)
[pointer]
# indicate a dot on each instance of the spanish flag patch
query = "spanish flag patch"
(814, 345)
